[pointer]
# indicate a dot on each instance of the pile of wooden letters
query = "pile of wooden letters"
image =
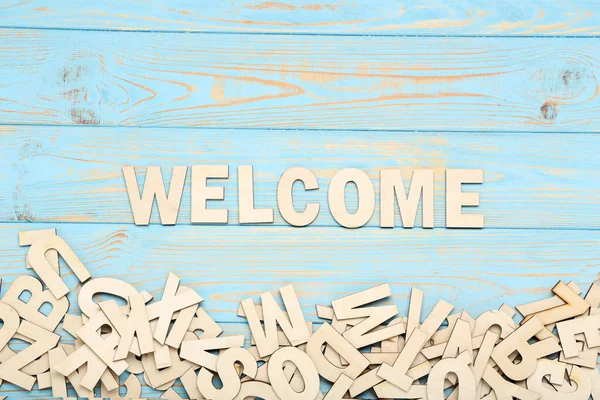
(362, 348)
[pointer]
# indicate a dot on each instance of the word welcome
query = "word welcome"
(391, 183)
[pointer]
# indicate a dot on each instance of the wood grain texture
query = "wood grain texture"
(317, 82)
(428, 17)
(69, 174)
(474, 270)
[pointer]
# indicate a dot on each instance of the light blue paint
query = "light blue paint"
(531, 180)
(359, 17)
(506, 105)
(316, 82)
(474, 270)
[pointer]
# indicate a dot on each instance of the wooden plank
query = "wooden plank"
(531, 180)
(459, 17)
(226, 264)
(291, 81)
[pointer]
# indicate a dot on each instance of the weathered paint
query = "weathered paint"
(354, 85)
(359, 17)
(474, 270)
(317, 82)
(71, 174)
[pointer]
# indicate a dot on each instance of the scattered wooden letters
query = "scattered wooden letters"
(362, 348)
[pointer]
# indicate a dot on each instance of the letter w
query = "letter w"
(168, 206)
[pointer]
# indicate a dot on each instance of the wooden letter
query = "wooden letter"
(249, 214)
(203, 322)
(337, 194)
(518, 341)
(168, 206)
(43, 341)
(574, 306)
(133, 386)
(254, 389)
(228, 374)
(10, 323)
(567, 330)
(30, 310)
(304, 366)
(392, 186)
(456, 199)
(171, 301)
(196, 351)
(102, 346)
(363, 333)
(37, 258)
(397, 373)
(458, 366)
(551, 368)
(137, 324)
(339, 388)
(105, 284)
(294, 327)
(27, 238)
(158, 378)
(504, 389)
(285, 200)
(201, 193)
(326, 334)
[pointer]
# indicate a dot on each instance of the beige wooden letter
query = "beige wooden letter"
(37, 258)
(304, 366)
(158, 378)
(518, 341)
(101, 345)
(95, 367)
(293, 325)
(154, 186)
(567, 330)
(285, 200)
(43, 341)
(397, 373)
(253, 389)
(26, 238)
(363, 333)
(201, 193)
(392, 186)
(204, 323)
(249, 214)
(326, 334)
(10, 323)
(57, 380)
(456, 199)
(171, 302)
(337, 194)
(196, 351)
(572, 307)
(505, 390)
(458, 366)
(105, 284)
(133, 386)
(339, 388)
(549, 368)
(228, 374)
(136, 324)
(30, 310)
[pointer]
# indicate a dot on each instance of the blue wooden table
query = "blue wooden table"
(510, 87)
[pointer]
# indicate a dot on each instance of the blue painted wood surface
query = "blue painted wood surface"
(510, 87)
(530, 179)
(386, 17)
(281, 81)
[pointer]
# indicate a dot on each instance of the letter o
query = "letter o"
(366, 198)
